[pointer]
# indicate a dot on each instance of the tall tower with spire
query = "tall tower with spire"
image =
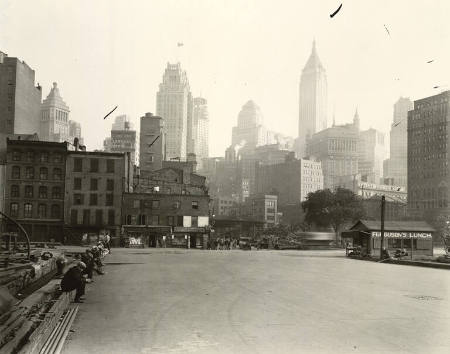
(313, 101)
(54, 125)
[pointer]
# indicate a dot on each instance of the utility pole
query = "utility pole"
(383, 200)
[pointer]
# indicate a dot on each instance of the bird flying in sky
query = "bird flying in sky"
(389, 33)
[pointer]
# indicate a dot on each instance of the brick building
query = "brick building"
(95, 182)
(35, 174)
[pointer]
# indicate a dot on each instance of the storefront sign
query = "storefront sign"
(189, 229)
(389, 234)
(134, 241)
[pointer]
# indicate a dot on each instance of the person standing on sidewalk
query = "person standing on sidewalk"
(108, 242)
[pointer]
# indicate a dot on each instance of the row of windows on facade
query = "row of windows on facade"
(93, 165)
(32, 156)
(155, 204)
(429, 204)
(78, 199)
(55, 211)
(425, 193)
(42, 192)
(60, 115)
(77, 184)
(87, 220)
(164, 220)
(30, 173)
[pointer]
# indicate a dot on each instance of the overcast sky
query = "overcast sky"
(108, 53)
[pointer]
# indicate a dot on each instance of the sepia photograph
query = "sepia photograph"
(224, 177)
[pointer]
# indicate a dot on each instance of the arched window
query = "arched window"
(56, 211)
(43, 173)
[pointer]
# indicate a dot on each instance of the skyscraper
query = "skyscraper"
(250, 131)
(313, 101)
(20, 99)
(395, 168)
(54, 117)
(199, 138)
(174, 105)
(152, 143)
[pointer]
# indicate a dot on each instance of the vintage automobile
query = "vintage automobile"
(245, 243)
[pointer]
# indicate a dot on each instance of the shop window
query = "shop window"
(43, 173)
(28, 210)
(14, 191)
(56, 211)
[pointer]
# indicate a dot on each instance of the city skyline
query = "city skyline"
(259, 58)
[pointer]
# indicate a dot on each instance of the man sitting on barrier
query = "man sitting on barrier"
(73, 280)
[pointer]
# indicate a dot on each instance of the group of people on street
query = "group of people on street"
(82, 272)
(222, 244)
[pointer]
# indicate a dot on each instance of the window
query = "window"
(14, 191)
(56, 211)
(78, 199)
(128, 222)
(155, 219)
(29, 172)
(93, 199)
(194, 204)
(14, 210)
(155, 204)
(94, 165)
(171, 221)
(57, 158)
(109, 184)
(109, 201)
(28, 210)
(42, 211)
(42, 192)
(110, 166)
(99, 217)
(78, 164)
(141, 219)
(86, 217)
(15, 172)
(56, 193)
(16, 155)
(74, 216)
(28, 191)
(180, 220)
(111, 217)
(43, 157)
(30, 156)
(57, 174)
(77, 183)
(194, 221)
(43, 173)
(94, 184)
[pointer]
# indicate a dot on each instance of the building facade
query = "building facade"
(125, 141)
(312, 101)
(291, 181)
(75, 132)
(339, 150)
(372, 156)
(174, 105)
(428, 157)
(35, 175)
(152, 143)
(250, 131)
(198, 142)
(395, 168)
(54, 117)
(263, 208)
(95, 182)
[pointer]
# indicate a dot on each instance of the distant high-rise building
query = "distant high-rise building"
(107, 144)
(54, 117)
(395, 168)
(313, 101)
(152, 143)
(339, 150)
(174, 105)
(122, 122)
(373, 152)
(20, 99)
(429, 157)
(198, 138)
(250, 130)
(125, 140)
(75, 132)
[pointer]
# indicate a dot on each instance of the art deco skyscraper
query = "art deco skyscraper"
(313, 101)
(54, 117)
(174, 105)
(198, 139)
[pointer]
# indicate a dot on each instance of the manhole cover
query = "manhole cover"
(423, 297)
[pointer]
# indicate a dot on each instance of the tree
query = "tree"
(332, 208)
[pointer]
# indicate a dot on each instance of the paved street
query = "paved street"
(192, 301)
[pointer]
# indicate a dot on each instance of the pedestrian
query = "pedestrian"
(74, 280)
(98, 265)
(108, 242)
(88, 259)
